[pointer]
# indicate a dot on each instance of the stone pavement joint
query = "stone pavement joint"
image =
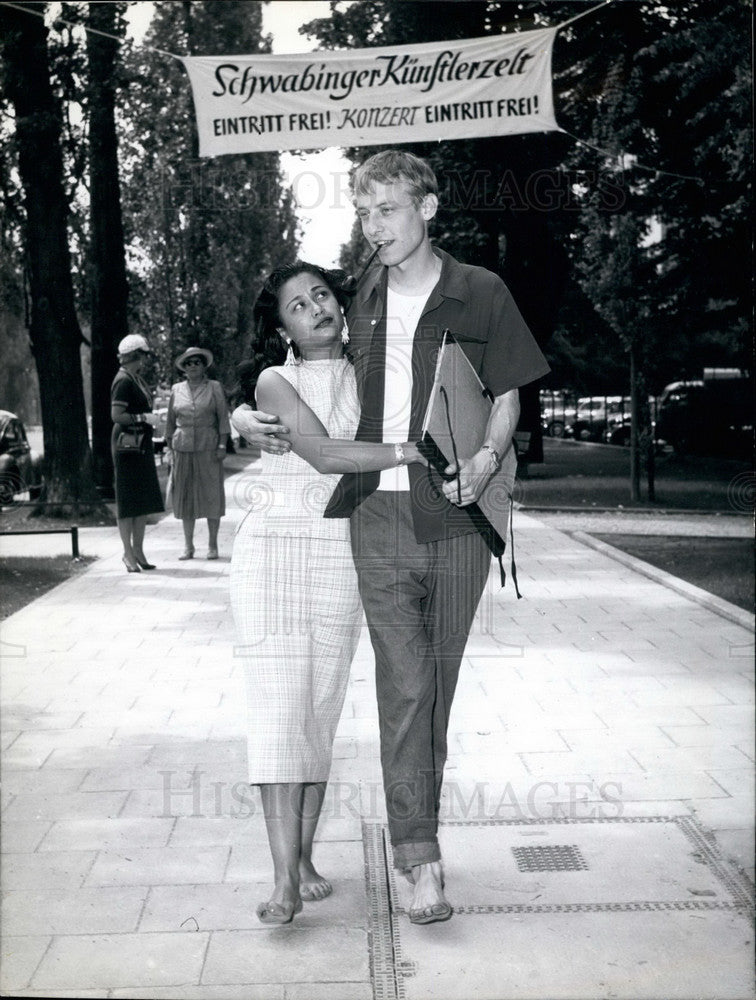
(605, 714)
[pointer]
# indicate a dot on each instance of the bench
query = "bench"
(51, 531)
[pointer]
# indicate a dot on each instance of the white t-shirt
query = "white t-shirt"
(402, 315)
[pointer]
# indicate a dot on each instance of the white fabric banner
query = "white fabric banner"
(497, 85)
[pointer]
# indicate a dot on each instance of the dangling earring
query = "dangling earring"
(290, 359)
(344, 330)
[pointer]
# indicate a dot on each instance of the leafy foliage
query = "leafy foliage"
(201, 234)
(669, 85)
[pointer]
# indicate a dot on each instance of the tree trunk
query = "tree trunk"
(197, 249)
(54, 327)
(634, 430)
(645, 429)
(108, 259)
(651, 466)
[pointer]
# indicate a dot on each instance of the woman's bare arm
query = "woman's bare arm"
(309, 438)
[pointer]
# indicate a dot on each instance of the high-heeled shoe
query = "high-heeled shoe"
(129, 568)
(188, 553)
(143, 564)
(212, 553)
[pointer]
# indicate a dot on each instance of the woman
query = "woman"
(293, 584)
(136, 483)
(197, 430)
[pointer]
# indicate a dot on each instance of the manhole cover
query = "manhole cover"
(549, 858)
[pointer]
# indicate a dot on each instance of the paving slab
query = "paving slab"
(574, 955)
(56, 870)
(27, 911)
(604, 719)
(304, 948)
(104, 961)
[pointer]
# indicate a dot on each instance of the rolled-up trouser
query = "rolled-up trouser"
(420, 601)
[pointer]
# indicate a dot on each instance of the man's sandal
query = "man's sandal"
(410, 875)
(438, 913)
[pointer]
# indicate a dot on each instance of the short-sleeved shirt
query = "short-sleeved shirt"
(127, 391)
(196, 419)
(478, 309)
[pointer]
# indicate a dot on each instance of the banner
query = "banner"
(497, 85)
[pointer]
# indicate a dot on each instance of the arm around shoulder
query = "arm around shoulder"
(311, 442)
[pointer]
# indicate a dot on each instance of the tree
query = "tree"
(19, 391)
(54, 327)
(202, 234)
(682, 73)
(696, 106)
(618, 278)
(109, 318)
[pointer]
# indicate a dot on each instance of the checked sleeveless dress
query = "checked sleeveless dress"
(294, 595)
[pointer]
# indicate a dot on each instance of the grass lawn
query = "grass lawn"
(594, 476)
(721, 566)
(23, 579)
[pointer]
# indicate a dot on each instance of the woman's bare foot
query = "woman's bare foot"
(277, 913)
(429, 904)
(312, 886)
(282, 905)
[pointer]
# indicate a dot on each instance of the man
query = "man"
(421, 564)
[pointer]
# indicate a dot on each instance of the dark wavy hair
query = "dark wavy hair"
(267, 347)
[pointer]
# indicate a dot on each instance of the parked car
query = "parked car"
(557, 411)
(159, 443)
(20, 467)
(709, 416)
(617, 430)
(593, 413)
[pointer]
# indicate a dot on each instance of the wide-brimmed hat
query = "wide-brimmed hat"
(191, 352)
(134, 342)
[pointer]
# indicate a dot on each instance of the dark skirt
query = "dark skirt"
(136, 483)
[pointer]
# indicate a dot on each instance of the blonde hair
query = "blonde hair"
(392, 165)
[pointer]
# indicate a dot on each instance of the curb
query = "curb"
(702, 597)
(622, 511)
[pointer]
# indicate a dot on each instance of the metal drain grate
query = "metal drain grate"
(551, 858)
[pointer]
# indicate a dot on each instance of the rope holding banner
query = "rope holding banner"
(639, 166)
(584, 13)
(86, 27)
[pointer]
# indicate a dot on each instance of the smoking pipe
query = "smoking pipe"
(351, 283)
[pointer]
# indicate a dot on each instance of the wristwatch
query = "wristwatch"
(493, 453)
(399, 453)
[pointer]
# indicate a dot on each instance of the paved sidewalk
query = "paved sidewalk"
(598, 807)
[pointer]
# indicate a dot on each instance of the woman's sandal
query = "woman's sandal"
(278, 913)
(187, 554)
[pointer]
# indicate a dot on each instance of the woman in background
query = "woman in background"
(197, 430)
(136, 483)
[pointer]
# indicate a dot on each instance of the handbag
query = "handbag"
(131, 441)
